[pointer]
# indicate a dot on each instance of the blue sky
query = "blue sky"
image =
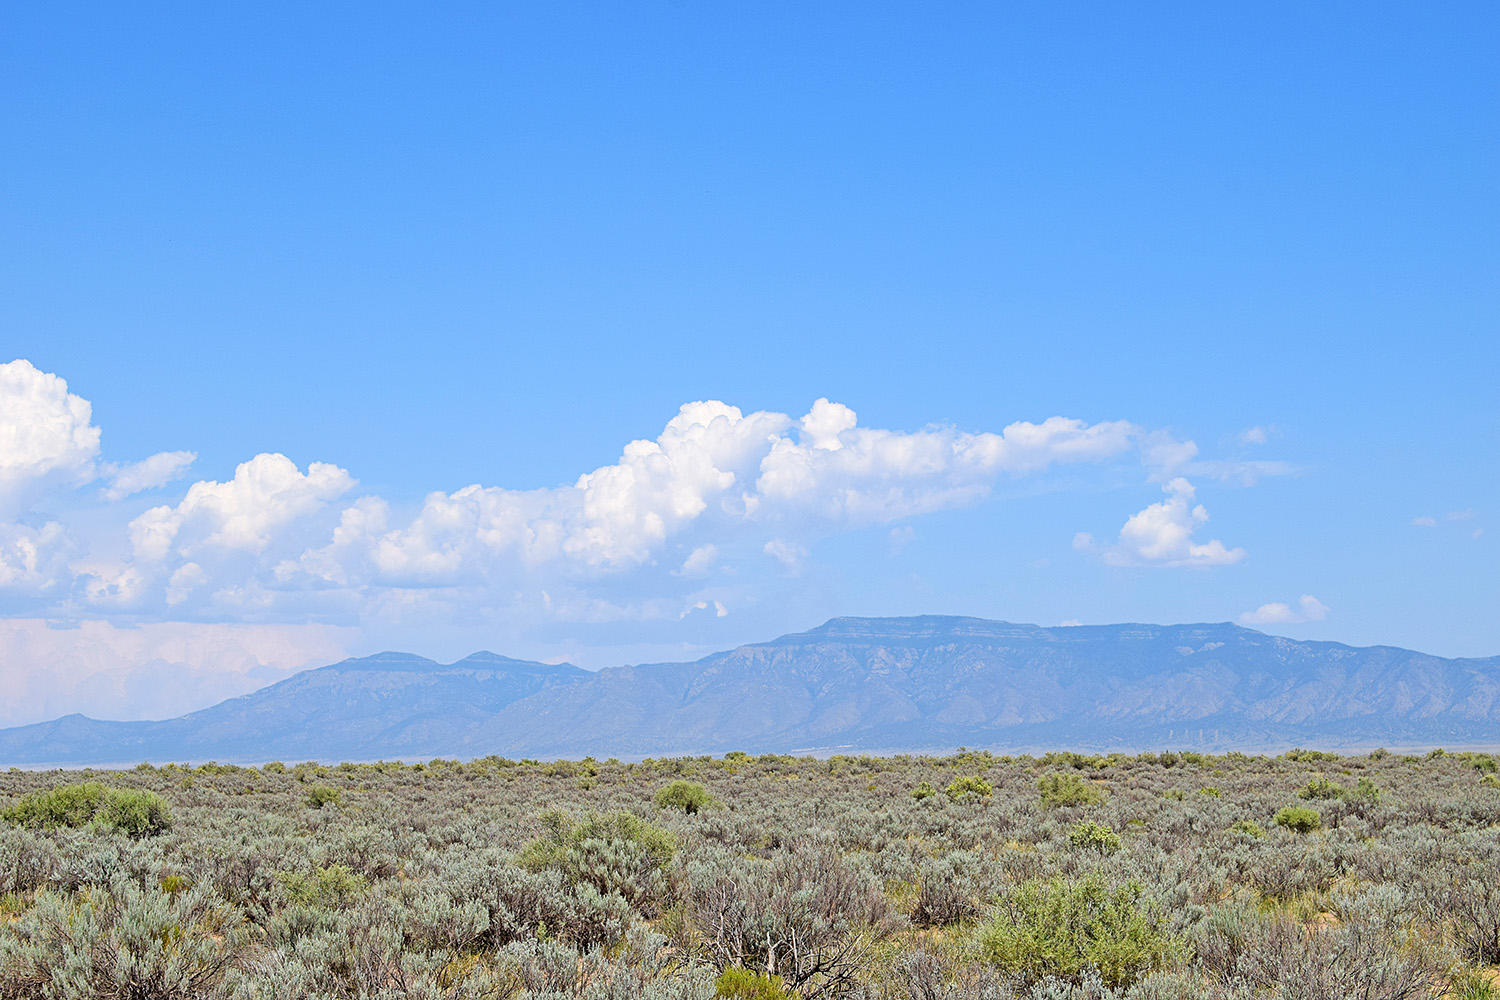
(426, 250)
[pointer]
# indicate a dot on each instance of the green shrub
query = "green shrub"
(614, 852)
(689, 796)
(1211, 792)
(924, 790)
(1299, 819)
(68, 805)
(319, 796)
(1364, 791)
(1063, 926)
(972, 786)
(1473, 985)
(1310, 756)
(332, 886)
(1068, 790)
(123, 810)
(1322, 788)
(1492, 780)
(1249, 827)
(735, 983)
(1094, 837)
(134, 813)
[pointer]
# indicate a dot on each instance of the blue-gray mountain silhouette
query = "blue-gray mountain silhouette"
(852, 684)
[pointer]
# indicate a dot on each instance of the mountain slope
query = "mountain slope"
(389, 704)
(931, 681)
(859, 683)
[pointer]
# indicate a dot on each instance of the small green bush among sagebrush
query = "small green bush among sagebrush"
(1067, 790)
(1321, 788)
(924, 790)
(735, 983)
(1364, 791)
(1063, 926)
(333, 886)
(1094, 837)
(1249, 827)
(689, 796)
(1299, 819)
(1472, 985)
(319, 796)
(972, 786)
(123, 810)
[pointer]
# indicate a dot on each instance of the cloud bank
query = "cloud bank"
(686, 521)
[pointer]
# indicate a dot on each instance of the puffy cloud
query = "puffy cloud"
(46, 433)
(789, 554)
(825, 423)
(33, 561)
(266, 493)
(1255, 435)
(713, 468)
(155, 670)
(147, 474)
(112, 585)
(184, 580)
(838, 471)
(622, 511)
(718, 484)
(1162, 535)
(1163, 455)
(700, 560)
(1307, 609)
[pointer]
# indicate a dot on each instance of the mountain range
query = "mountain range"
(850, 685)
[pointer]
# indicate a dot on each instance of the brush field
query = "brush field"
(1067, 877)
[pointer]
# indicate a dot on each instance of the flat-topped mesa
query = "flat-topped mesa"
(938, 627)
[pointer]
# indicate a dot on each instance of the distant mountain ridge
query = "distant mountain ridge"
(851, 684)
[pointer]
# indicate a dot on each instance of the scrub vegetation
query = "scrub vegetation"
(969, 877)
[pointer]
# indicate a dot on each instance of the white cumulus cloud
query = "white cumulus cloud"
(790, 555)
(713, 469)
(147, 474)
(700, 560)
(719, 491)
(46, 433)
(1306, 609)
(1163, 534)
(33, 560)
(1255, 435)
(266, 493)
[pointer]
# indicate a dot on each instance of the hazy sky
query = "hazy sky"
(627, 332)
